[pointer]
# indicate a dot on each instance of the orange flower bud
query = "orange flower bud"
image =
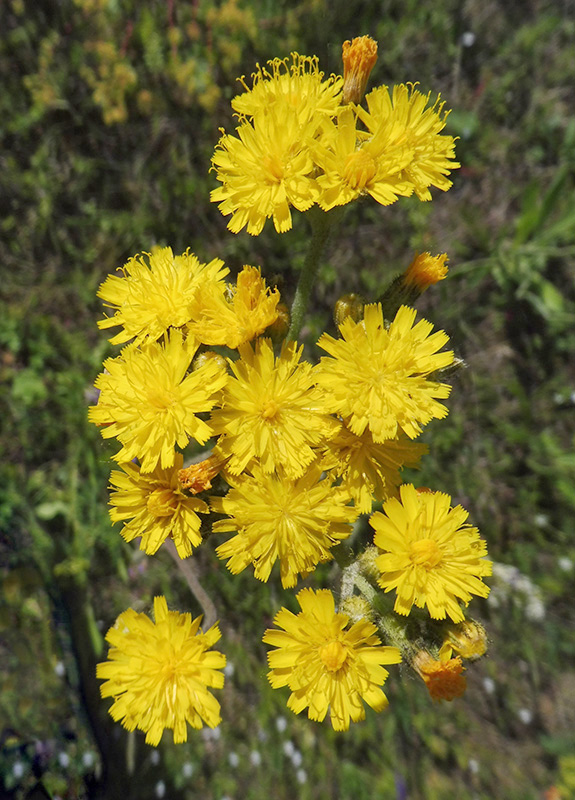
(359, 57)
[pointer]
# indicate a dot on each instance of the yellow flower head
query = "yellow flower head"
(353, 165)
(295, 522)
(444, 678)
(325, 663)
(377, 377)
(157, 508)
(370, 470)
(431, 556)
(425, 270)
(420, 130)
(359, 56)
(237, 316)
(298, 86)
(150, 403)
(271, 412)
(159, 673)
(265, 170)
(151, 297)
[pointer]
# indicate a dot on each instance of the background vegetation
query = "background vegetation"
(109, 112)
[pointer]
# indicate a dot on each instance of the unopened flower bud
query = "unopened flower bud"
(198, 477)
(349, 305)
(468, 639)
(356, 608)
(359, 56)
(444, 678)
(425, 270)
(277, 331)
(208, 355)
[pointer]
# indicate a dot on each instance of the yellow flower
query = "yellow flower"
(151, 405)
(298, 86)
(265, 170)
(151, 297)
(353, 165)
(432, 557)
(159, 673)
(295, 522)
(359, 56)
(156, 507)
(370, 470)
(406, 110)
(271, 412)
(237, 316)
(444, 678)
(326, 664)
(377, 377)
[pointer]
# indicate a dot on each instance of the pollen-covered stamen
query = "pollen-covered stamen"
(269, 409)
(333, 655)
(162, 502)
(274, 169)
(425, 553)
(360, 168)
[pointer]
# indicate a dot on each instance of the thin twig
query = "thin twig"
(188, 570)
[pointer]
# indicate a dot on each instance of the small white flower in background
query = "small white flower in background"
(525, 715)
(468, 39)
(565, 564)
(187, 769)
(534, 609)
(255, 758)
(301, 776)
(60, 669)
(489, 685)
(211, 734)
(64, 760)
(541, 520)
(88, 759)
(229, 669)
(473, 765)
(160, 789)
(155, 757)
(281, 724)
(510, 583)
(262, 735)
(289, 748)
(296, 759)
(18, 769)
(233, 760)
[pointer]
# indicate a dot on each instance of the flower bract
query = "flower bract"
(159, 673)
(431, 556)
(327, 663)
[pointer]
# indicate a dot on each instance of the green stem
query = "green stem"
(321, 224)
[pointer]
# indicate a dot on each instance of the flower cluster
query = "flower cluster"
(305, 140)
(283, 456)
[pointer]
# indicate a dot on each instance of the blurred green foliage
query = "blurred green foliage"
(108, 117)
